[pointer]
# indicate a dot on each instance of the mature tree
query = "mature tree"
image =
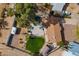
(10, 12)
(19, 8)
(45, 6)
(25, 14)
(44, 9)
(48, 6)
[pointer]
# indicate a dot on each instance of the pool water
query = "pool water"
(73, 50)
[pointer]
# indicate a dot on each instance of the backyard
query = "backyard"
(34, 44)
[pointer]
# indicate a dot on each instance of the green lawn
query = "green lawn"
(34, 44)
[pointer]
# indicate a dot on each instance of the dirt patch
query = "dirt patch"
(73, 7)
(19, 40)
(70, 32)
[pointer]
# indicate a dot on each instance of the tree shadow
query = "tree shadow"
(65, 6)
(18, 31)
(15, 23)
(3, 24)
(0, 34)
(62, 31)
(10, 40)
(51, 20)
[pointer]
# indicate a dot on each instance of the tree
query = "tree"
(10, 12)
(44, 9)
(22, 22)
(48, 6)
(19, 7)
(45, 6)
(25, 14)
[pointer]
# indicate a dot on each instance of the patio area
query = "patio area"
(37, 30)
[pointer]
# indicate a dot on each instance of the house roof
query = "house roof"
(57, 6)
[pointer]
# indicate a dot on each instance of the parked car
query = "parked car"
(13, 31)
(66, 13)
(60, 14)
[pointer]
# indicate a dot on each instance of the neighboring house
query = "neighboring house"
(54, 30)
(57, 6)
(59, 9)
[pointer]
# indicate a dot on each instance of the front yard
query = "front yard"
(34, 44)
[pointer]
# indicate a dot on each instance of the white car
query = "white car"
(13, 31)
(66, 13)
(63, 13)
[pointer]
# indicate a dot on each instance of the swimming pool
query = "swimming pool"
(73, 51)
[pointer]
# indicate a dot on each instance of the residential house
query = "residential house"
(54, 29)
